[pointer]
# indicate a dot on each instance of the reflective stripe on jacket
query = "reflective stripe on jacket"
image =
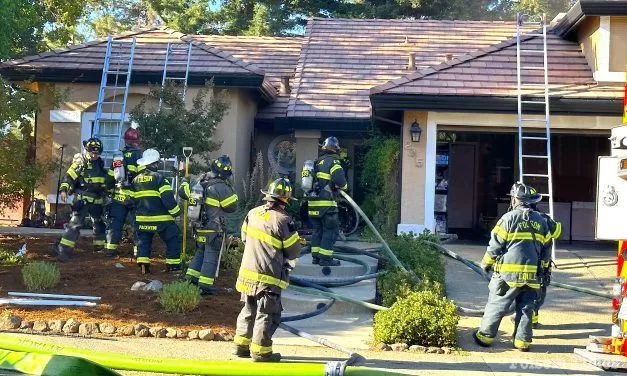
(153, 197)
(86, 177)
(330, 176)
(130, 156)
(270, 241)
(513, 251)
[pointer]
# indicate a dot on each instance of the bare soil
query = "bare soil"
(90, 273)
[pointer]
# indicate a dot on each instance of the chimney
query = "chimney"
(448, 57)
(285, 85)
(411, 64)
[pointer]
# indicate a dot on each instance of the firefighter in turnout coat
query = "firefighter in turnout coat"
(121, 201)
(519, 249)
(272, 246)
(218, 198)
(86, 179)
(322, 207)
(156, 208)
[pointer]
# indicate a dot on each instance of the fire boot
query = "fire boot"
(111, 254)
(241, 351)
(57, 251)
(315, 260)
(210, 290)
(266, 358)
(173, 268)
(329, 262)
(144, 267)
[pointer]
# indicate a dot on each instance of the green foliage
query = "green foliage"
(8, 258)
(395, 283)
(179, 296)
(380, 169)
(253, 183)
(420, 318)
(40, 276)
(426, 261)
(194, 127)
(232, 256)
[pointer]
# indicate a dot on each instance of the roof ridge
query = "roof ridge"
(450, 64)
(504, 22)
(248, 36)
(300, 66)
(224, 55)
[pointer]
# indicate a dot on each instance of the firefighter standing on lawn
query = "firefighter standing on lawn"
(121, 203)
(155, 208)
(322, 207)
(218, 199)
(272, 246)
(520, 247)
(86, 179)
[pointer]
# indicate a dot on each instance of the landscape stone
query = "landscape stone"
(182, 333)
(26, 325)
(56, 325)
(206, 334)
(399, 346)
(71, 326)
(170, 332)
(88, 328)
(193, 334)
(107, 328)
(417, 348)
(40, 326)
(158, 332)
(127, 330)
(10, 322)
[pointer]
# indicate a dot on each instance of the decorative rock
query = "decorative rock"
(193, 334)
(142, 330)
(107, 328)
(399, 346)
(26, 325)
(206, 335)
(10, 322)
(382, 347)
(56, 325)
(447, 350)
(127, 330)
(440, 351)
(158, 332)
(138, 286)
(224, 336)
(170, 332)
(119, 266)
(153, 286)
(417, 348)
(40, 326)
(88, 328)
(71, 326)
(433, 350)
(182, 333)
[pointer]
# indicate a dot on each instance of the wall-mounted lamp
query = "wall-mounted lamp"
(415, 131)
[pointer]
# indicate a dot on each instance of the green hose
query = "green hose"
(50, 365)
(581, 289)
(186, 366)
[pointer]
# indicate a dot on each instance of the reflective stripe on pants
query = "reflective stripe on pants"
(258, 320)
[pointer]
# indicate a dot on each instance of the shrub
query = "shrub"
(10, 258)
(179, 296)
(40, 275)
(421, 318)
(395, 283)
(232, 256)
(426, 261)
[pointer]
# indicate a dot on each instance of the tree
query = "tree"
(173, 126)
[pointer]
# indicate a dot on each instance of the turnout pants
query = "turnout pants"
(539, 302)
(497, 307)
(80, 209)
(204, 265)
(168, 232)
(325, 231)
(258, 321)
(118, 213)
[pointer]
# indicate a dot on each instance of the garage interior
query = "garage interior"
(475, 171)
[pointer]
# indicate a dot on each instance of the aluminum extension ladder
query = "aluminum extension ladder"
(540, 174)
(113, 94)
(173, 52)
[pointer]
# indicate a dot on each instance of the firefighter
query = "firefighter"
(272, 246)
(519, 248)
(322, 207)
(121, 203)
(155, 208)
(86, 179)
(218, 199)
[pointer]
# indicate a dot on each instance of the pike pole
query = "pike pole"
(187, 152)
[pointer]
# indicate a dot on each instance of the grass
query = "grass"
(9, 258)
(40, 276)
(179, 296)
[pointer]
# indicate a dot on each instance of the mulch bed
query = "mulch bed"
(89, 273)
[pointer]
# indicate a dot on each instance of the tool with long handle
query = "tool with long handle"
(187, 152)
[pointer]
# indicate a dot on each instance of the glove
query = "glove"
(291, 264)
(486, 267)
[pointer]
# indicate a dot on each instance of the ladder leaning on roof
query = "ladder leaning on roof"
(113, 94)
(534, 167)
(173, 75)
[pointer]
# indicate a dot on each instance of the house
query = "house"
(455, 80)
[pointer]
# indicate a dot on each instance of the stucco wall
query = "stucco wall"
(588, 37)
(618, 43)
(234, 131)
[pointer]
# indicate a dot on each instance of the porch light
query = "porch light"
(415, 131)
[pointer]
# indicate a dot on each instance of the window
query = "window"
(110, 132)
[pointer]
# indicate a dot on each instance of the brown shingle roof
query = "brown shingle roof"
(342, 59)
(492, 72)
(149, 55)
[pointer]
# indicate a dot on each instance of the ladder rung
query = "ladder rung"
(120, 103)
(177, 63)
(175, 78)
(532, 68)
(535, 156)
(537, 175)
(118, 72)
(533, 138)
(533, 51)
(536, 102)
(115, 87)
(534, 120)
